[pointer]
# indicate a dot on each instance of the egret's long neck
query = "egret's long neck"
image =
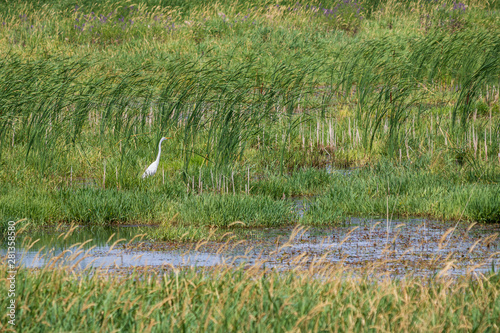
(159, 151)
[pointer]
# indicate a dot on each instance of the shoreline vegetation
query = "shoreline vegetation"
(399, 102)
(330, 198)
(279, 113)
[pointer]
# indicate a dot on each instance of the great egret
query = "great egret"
(151, 170)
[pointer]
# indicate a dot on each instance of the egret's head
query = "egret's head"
(164, 138)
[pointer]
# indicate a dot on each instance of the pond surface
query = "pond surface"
(86, 247)
(397, 247)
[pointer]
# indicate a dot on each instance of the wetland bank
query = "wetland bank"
(285, 119)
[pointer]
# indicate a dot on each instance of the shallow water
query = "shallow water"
(397, 247)
(87, 247)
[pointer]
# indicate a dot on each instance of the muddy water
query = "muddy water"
(397, 247)
(400, 247)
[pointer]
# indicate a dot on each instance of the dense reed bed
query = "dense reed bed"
(256, 97)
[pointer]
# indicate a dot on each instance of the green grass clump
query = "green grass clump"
(485, 207)
(223, 210)
(86, 206)
(403, 191)
(96, 206)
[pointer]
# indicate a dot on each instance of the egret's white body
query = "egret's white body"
(151, 170)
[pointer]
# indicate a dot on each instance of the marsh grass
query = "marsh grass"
(367, 108)
(412, 190)
(223, 210)
(252, 95)
(214, 200)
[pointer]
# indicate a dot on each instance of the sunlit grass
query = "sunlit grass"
(310, 297)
